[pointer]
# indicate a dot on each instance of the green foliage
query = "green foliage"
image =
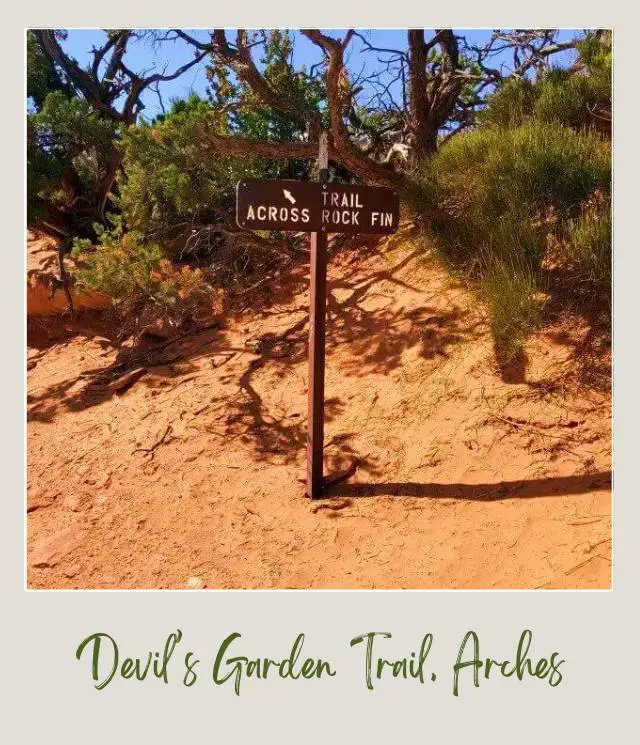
(515, 302)
(136, 274)
(596, 51)
(242, 110)
(70, 146)
(506, 195)
(44, 176)
(72, 132)
(42, 77)
(510, 105)
(502, 185)
(69, 149)
(171, 185)
(588, 241)
(574, 99)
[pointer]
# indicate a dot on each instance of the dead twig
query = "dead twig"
(535, 430)
(184, 380)
(152, 450)
(581, 564)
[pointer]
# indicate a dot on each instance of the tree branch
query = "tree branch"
(240, 61)
(337, 97)
(243, 146)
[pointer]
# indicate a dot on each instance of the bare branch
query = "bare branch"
(337, 96)
(243, 146)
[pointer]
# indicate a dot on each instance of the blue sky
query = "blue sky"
(145, 56)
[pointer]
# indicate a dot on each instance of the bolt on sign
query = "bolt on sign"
(309, 207)
(317, 208)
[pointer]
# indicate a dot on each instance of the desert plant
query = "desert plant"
(513, 295)
(589, 241)
(138, 276)
(579, 97)
(503, 194)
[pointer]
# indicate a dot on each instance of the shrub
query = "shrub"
(588, 241)
(502, 188)
(505, 194)
(577, 99)
(515, 301)
(67, 136)
(510, 105)
(180, 195)
(173, 188)
(137, 275)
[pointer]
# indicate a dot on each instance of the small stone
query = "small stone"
(195, 583)
(104, 482)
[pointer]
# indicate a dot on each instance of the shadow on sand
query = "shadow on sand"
(525, 489)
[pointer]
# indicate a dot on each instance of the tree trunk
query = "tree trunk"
(105, 184)
(424, 142)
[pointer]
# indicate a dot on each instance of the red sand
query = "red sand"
(192, 477)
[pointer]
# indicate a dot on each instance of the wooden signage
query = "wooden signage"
(301, 206)
(278, 205)
(348, 208)
(317, 208)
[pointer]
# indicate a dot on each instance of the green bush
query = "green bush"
(578, 99)
(67, 134)
(505, 195)
(171, 185)
(589, 240)
(510, 105)
(515, 301)
(501, 188)
(136, 274)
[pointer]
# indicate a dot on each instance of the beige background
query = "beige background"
(47, 694)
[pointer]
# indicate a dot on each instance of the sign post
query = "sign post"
(317, 208)
(317, 324)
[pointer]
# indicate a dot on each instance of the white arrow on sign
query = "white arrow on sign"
(288, 195)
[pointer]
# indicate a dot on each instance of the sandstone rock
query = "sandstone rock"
(37, 499)
(48, 552)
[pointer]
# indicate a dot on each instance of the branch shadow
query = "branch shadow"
(373, 340)
(376, 337)
(93, 387)
(590, 361)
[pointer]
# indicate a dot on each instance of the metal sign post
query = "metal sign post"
(317, 208)
(317, 324)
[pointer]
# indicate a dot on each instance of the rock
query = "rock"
(73, 502)
(195, 583)
(49, 551)
(37, 499)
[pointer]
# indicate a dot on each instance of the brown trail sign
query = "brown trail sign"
(278, 205)
(317, 208)
(348, 208)
(302, 206)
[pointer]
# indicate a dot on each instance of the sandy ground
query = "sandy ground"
(42, 265)
(192, 476)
